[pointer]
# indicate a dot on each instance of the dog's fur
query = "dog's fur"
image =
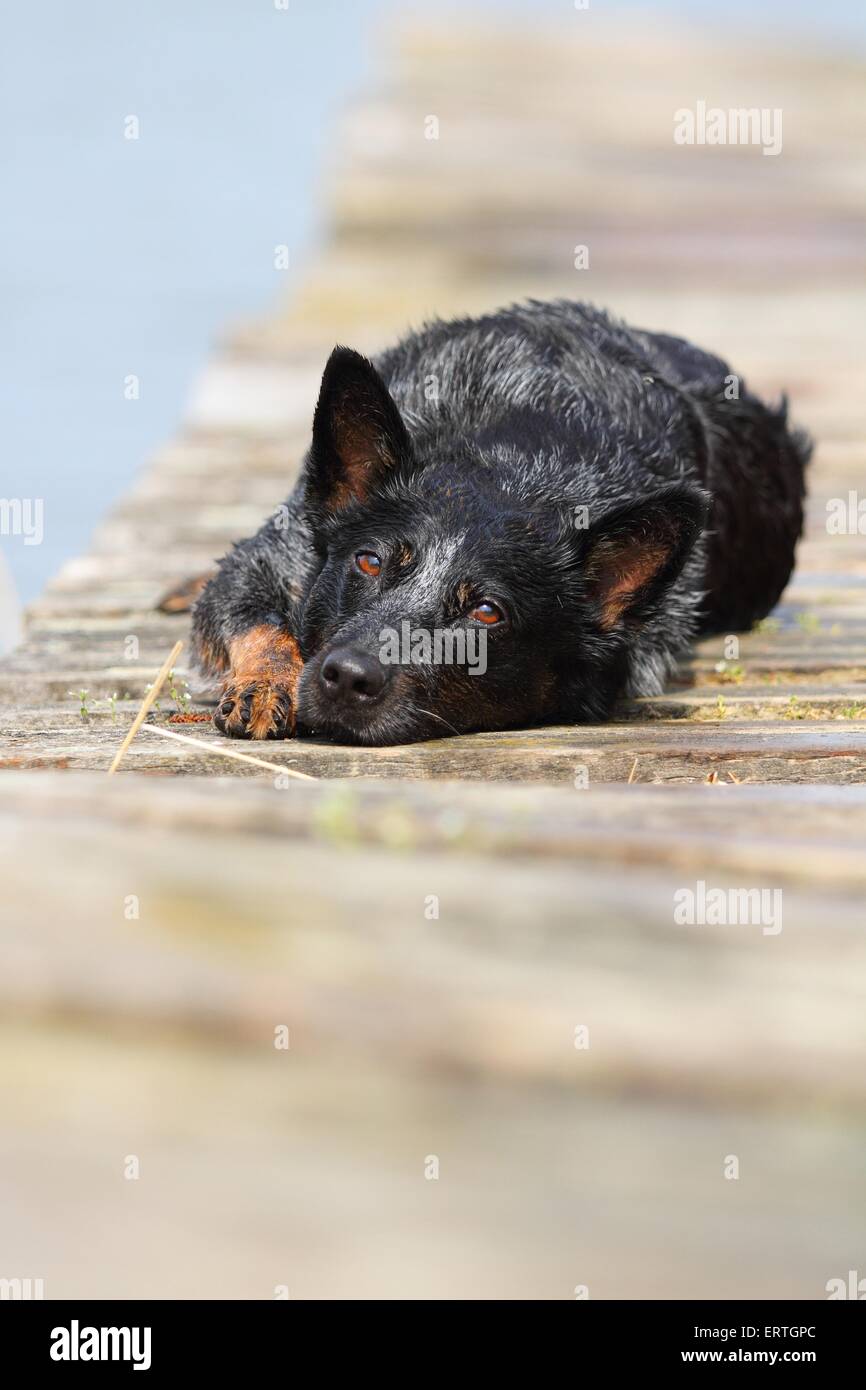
(613, 492)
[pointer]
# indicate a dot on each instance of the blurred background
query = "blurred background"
(127, 257)
(326, 172)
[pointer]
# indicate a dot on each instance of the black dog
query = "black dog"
(587, 496)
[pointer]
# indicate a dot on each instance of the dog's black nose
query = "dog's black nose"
(353, 676)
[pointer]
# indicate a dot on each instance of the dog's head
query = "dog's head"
(453, 592)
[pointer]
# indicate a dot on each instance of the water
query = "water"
(127, 257)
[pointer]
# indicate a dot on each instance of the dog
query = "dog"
(582, 497)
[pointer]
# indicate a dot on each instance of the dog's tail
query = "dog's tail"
(757, 476)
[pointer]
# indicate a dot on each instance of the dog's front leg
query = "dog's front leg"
(244, 629)
(258, 698)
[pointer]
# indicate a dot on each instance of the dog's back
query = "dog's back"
(755, 472)
(624, 408)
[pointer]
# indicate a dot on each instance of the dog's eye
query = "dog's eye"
(487, 613)
(368, 562)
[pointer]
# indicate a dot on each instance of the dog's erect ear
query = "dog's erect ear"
(632, 553)
(358, 435)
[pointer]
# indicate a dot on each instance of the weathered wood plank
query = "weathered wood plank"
(809, 750)
(793, 834)
(536, 1139)
(511, 965)
(318, 1181)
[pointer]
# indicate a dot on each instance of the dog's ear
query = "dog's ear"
(631, 554)
(358, 434)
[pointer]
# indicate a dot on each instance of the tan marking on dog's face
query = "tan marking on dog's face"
(464, 594)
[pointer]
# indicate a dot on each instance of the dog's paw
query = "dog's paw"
(256, 709)
(258, 694)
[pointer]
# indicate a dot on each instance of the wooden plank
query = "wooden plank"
(454, 988)
(811, 750)
(317, 1181)
(799, 834)
(536, 1139)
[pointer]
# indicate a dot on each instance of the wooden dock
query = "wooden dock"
(436, 924)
